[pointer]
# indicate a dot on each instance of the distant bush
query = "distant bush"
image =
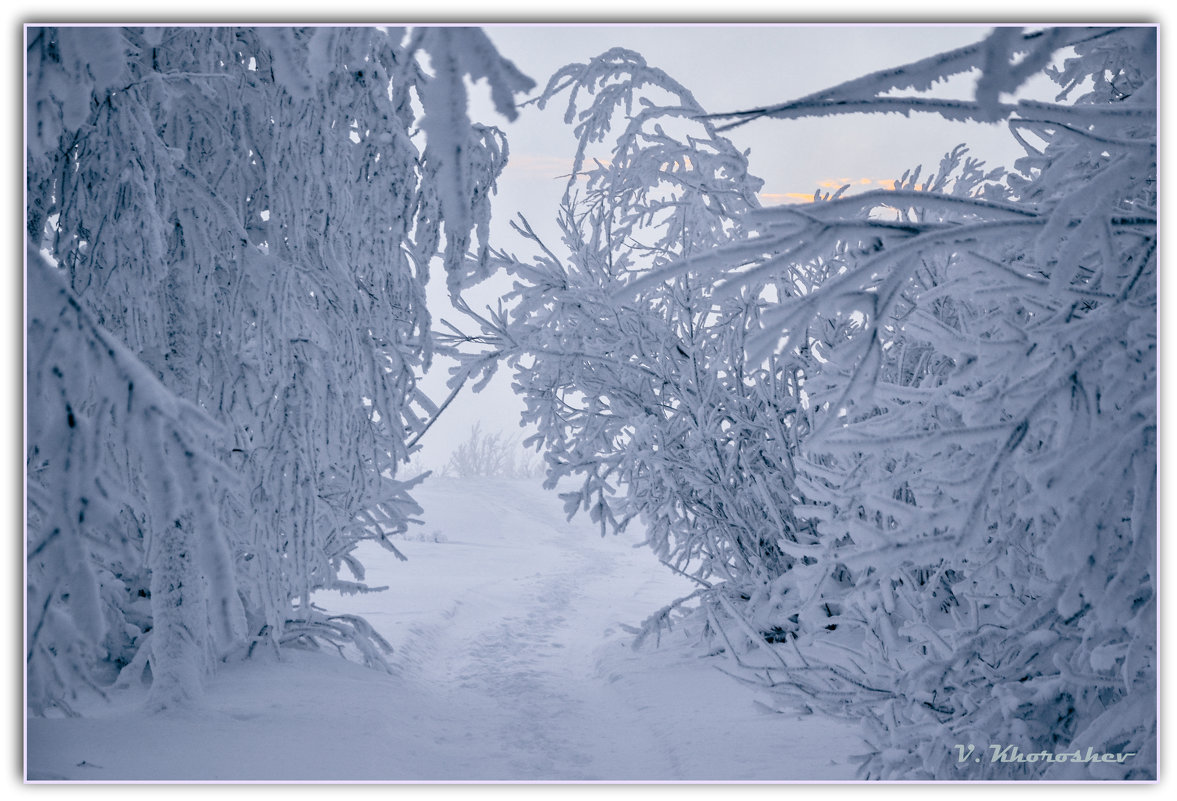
(491, 455)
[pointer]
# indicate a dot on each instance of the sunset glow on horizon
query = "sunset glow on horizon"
(831, 185)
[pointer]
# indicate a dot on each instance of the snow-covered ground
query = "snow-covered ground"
(512, 662)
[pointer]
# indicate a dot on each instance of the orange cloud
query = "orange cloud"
(775, 198)
(831, 184)
(838, 183)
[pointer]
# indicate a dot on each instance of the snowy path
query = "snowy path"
(511, 663)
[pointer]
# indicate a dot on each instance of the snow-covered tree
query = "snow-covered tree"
(905, 439)
(640, 387)
(250, 214)
(977, 353)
